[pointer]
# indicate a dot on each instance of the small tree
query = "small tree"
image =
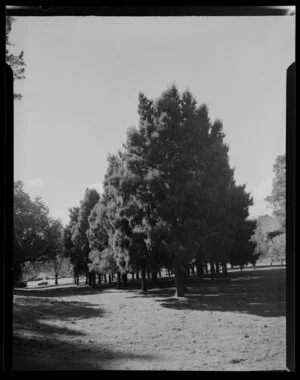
(277, 199)
(31, 221)
(277, 244)
(54, 247)
(81, 249)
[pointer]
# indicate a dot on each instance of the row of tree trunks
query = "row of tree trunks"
(224, 268)
(169, 272)
(181, 276)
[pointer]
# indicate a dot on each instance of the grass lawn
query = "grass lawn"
(236, 323)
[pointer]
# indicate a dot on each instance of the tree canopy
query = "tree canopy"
(170, 194)
(37, 236)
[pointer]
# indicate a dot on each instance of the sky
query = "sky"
(84, 74)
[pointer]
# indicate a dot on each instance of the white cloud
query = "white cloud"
(96, 186)
(32, 183)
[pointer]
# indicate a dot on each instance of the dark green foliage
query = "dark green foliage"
(16, 62)
(243, 249)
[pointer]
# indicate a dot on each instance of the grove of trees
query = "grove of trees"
(170, 201)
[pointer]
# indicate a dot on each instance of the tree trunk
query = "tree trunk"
(224, 269)
(206, 267)
(99, 278)
(217, 268)
(193, 270)
(119, 280)
(17, 272)
(132, 276)
(199, 268)
(77, 279)
(143, 280)
(137, 275)
(212, 270)
(112, 276)
(159, 273)
(180, 277)
(154, 279)
(105, 280)
(90, 278)
(109, 278)
(93, 279)
(188, 273)
(56, 278)
(148, 274)
(124, 280)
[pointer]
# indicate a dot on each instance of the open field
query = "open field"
(236, 323)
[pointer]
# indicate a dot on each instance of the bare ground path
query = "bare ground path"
(228, 324)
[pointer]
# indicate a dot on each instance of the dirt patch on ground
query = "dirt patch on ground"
(228, 324)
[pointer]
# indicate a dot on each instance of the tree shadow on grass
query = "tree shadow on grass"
(41, 340)
(258, 292)
(39, 355)
(40, 316)
(62, 291)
